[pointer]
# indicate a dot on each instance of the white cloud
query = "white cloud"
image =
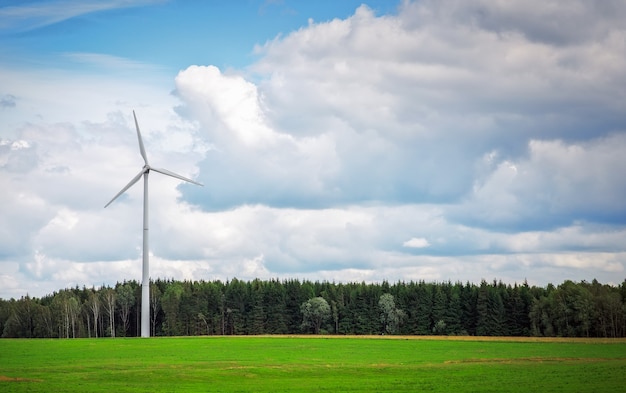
(416, 242)
(558, 183)
(452, 141)
(249, 154)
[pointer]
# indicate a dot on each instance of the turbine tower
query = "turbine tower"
(145, 278)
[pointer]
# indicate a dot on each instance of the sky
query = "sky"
(435, 140)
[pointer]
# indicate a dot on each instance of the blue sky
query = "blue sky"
(171, 34)
(413, 140)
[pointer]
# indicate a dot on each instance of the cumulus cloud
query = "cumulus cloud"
(548, 22)
(512, 128)
(407, 122)
(450, 141)
(248, 153)
(555, 184)
(489, 119)
(56, 179)
(416, 242)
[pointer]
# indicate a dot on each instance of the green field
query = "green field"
(275, 364)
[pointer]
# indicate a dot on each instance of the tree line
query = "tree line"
(236, 307)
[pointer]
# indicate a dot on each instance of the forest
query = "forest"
(236, 307)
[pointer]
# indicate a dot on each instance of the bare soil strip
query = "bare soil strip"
(4, 378)
(531, 360)
(462, 338)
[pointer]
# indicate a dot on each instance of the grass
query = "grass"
(312, 364)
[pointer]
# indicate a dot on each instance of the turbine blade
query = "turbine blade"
(129, 185)
(172, 174)
(141, 148)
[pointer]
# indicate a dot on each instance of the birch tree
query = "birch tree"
(109, 303)
(94, 306)
(125, 300)
(155, 305)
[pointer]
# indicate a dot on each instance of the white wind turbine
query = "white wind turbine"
(145, 278)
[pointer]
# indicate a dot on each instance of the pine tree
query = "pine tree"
(440, 304)
(453, 314)
(256, 316)
(275, 308)
(424, 308)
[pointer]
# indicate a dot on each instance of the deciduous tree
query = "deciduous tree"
(125, 301)
(109, 298)
(315, 311)
(390, 316)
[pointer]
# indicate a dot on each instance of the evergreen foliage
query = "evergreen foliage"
(236, 307)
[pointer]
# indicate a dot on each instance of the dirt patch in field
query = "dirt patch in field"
(459, 338)
(4, 378)
(528, 360)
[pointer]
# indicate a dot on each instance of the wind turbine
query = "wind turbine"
(145, 278)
